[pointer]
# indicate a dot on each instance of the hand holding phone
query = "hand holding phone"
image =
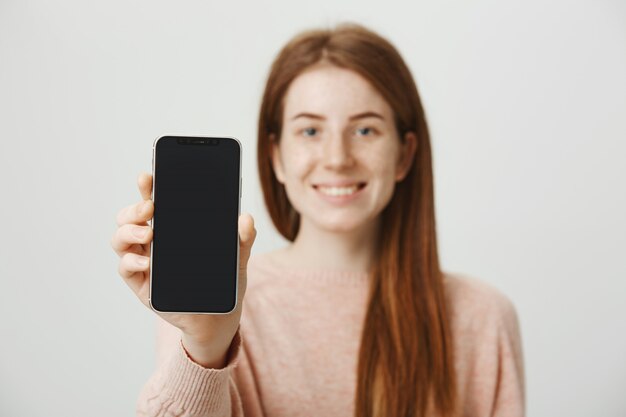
(206, 337)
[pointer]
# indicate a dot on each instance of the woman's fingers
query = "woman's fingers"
(132, 238)
(138, 213)
(141, 212)
(247, 235)
(144, 182)
(128, 235)
(133, 268)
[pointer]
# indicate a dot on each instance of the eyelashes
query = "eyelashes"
(369, 128)
(305, 132)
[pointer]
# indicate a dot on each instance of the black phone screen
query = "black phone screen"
(195, 246)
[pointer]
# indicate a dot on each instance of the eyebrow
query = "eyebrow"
(354, 117)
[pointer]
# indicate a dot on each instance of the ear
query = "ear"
(407, 155)
(275, 158)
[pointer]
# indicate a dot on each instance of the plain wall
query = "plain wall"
(526, 102)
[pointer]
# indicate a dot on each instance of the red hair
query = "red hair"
(406, 363)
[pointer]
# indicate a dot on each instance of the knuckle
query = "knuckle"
(120, 236)
(116, 240)
(126, 262)
(119, 218)
(121, 270)
(113, 241)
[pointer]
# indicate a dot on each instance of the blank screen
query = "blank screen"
(196, 211)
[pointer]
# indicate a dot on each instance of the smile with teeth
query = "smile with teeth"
(339, 191)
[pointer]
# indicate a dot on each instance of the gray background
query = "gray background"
(526, 102)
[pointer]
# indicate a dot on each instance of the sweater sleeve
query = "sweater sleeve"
(510, 392)
(180, 387)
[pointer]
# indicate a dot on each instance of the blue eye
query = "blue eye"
(308, 129)
(365, 128)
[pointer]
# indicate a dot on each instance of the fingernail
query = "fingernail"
(142, 261)
(139, 232)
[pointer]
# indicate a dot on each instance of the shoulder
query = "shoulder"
(476, 305)
(488, 346)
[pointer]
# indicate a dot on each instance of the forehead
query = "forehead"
(333, 92)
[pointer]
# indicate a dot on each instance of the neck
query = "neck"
(316, 248)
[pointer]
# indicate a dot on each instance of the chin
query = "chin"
(340, 225)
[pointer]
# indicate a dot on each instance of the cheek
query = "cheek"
(384, 170)
(296, 163)
(382, 164)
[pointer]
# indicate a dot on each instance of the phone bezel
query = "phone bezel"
(151, 221)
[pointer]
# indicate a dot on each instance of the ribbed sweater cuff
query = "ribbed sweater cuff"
(197, 390)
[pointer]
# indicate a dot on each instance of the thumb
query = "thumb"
(247, 236)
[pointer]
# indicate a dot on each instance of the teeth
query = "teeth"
(335, 191)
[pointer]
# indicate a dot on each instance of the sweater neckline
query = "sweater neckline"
(318, 275)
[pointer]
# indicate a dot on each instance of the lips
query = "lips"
(345, 183)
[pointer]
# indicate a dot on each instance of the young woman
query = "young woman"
(354, 316)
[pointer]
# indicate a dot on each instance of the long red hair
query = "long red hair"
(406, 363)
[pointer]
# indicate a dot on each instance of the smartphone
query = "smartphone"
(194, 255)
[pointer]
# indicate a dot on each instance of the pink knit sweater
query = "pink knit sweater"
(295, 352)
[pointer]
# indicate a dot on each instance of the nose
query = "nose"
(337, 153)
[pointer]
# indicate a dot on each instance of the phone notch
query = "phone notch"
(198, 141)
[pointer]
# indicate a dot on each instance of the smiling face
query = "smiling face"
(339, 155)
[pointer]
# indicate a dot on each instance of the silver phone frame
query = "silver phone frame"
(151, 221)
